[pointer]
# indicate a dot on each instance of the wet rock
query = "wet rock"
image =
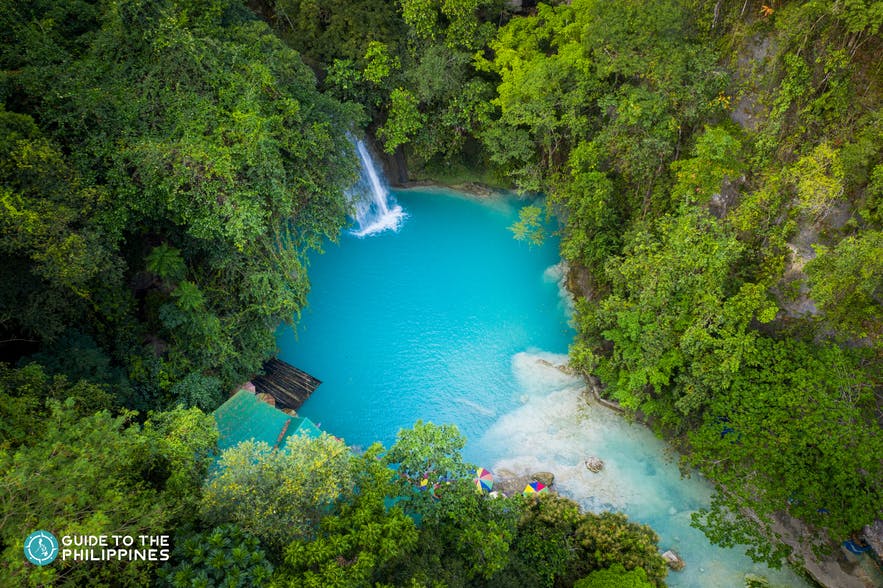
(673, 560)
(594, 464)
(508, 483)
(564, 368)
(546, 478)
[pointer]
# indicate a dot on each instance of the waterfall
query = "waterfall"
(375, 209)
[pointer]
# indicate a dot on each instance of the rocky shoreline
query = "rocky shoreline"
(474, 189)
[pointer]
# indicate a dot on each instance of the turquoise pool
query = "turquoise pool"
(451, 320)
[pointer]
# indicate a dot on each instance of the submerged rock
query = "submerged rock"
(594, 464)
(564, 368)
(673, 560)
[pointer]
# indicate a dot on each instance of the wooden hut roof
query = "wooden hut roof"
(288, 385)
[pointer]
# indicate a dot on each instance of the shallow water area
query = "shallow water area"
(450, 320)
(557, 428)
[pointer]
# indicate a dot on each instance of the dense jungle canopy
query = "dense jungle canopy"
(716, 171)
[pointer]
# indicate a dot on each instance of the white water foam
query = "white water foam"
(558, 274)
(555, 429)
(375, 209)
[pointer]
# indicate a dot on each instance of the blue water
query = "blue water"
(451, 320)
(423, 323)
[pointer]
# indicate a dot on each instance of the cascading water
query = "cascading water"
(375, 209)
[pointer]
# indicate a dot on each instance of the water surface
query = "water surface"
(451, 320)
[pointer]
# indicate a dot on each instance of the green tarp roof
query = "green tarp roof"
(244, 416)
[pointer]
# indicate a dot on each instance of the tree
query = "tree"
(278, 495)
(795, 432)
(404, 120)
(818, 178)
(678, 318)
(428, 451)
(846, 282)
(166, 262)
(556, 544)
(615, 576)
(56, 247)
(459, 23)
(464, 537)
(361, 541)
(24, 393)
(222, 556)
(99, 475)
(529, 226)
(715, 159)
(182, 139)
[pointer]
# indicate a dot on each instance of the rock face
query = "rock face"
(594, 464)
(873, 534)
(564, 368)
(673, 560)
(546, 478)
(509, 483)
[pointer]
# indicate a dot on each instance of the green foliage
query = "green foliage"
(78, 357)
(186, 124)
(544, 548)
(529, 226)
(380, 63)
(429, 450)
(98, 475)
(818, 178)
(200, 391)
(359, 543)
(24, 393)
(278, 495)
(557, 545)
(715, 159)
(459, 23)
(403, 122)
(608, 539)
(846, 282)
(56, 246)
(587, 203)
(166, 262)
(547, 88)
(222, 556)
(452, 100)
(862, 16)
(627, 77)
(615, 576)
(678, 318)
(337, 29)
(793, 433)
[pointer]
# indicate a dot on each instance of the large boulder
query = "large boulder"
(546, 478)
(673, 560)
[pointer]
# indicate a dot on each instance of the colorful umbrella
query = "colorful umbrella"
(535, 488)
(483, 480)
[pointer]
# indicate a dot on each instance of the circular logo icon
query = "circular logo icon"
(41, 548)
